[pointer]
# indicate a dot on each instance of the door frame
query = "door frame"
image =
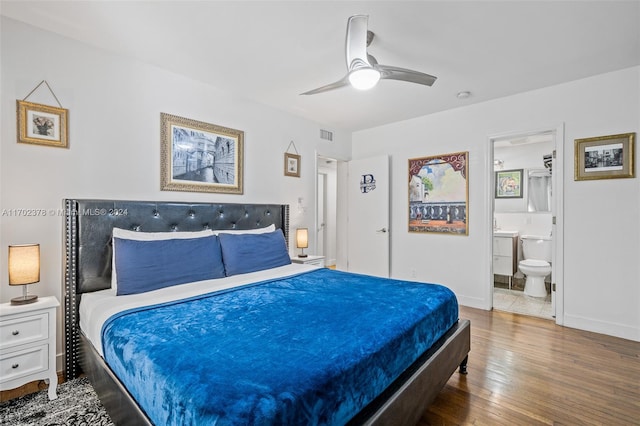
(557, 210)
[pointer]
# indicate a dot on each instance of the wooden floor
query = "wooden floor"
(529, 371)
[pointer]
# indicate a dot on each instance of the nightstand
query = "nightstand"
(309, 260)
(28, 344)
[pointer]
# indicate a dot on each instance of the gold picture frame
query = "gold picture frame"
(605, 157)
(200, 157)
(292, 164)
(40, 124)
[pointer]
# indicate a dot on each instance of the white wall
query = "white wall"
(114, 141)
(601, 281)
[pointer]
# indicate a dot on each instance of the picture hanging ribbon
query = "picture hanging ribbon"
(294, 147)
(50, 90)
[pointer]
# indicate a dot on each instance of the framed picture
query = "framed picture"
(509, 183)
(439, 194)
(291, 165)
(200, 157)
(42, 124)
(604, 157)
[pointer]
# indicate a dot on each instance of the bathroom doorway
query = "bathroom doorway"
(526, 178)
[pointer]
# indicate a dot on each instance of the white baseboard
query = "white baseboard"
(603, 327)
(473, 302)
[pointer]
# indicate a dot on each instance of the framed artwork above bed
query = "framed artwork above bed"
(200, 157)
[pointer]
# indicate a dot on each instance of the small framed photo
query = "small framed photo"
(42, 124)
(291, 165)
(200, 157)
(604, 157)
(509, 183)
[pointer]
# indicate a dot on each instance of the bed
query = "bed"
(316, 385)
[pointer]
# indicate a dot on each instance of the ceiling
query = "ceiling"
(271, 51)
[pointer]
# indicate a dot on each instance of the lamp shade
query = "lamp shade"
(24, 264)
(302, 238)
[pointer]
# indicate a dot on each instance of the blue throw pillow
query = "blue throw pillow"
(243, 253)
(143, 266)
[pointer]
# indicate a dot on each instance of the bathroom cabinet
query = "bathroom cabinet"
(505, 256)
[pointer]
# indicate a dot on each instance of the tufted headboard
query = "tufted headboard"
(88, 229)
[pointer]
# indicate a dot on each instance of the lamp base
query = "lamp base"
(302, 255)
(24, 300)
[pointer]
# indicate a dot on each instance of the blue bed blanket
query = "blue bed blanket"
(311, 349)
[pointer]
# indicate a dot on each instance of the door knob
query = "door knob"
(383, 230)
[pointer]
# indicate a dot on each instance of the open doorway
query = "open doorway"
(525, 212)
(326, 209)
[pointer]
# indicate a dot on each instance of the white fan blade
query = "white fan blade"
(356, 42)
(332, 86)
(403, 74)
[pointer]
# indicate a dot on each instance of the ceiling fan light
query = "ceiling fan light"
(364, 78)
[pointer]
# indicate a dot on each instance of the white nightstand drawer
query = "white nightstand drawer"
(27, 329)
(317, 262)
(24, 362)
(309, 260)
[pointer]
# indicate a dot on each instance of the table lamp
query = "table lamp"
(302, 240)
(24, 269)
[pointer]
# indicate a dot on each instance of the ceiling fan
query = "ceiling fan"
(364, 72)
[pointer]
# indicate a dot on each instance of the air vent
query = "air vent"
(326, 135)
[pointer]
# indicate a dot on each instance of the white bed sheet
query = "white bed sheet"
(97, 307)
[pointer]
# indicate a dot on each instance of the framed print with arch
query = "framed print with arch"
(439, 194)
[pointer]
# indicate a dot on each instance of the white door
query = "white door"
(368, 216)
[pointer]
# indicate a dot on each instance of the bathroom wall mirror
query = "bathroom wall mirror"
(538, 190)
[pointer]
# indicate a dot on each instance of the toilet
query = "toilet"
(535, 266)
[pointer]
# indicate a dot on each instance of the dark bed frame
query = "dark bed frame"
(88, 229)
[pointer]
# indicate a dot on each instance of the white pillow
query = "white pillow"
(127, 234)
(264, 230)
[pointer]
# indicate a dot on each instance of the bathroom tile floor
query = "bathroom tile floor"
(517, 302)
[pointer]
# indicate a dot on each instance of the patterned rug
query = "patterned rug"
(77, 404)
